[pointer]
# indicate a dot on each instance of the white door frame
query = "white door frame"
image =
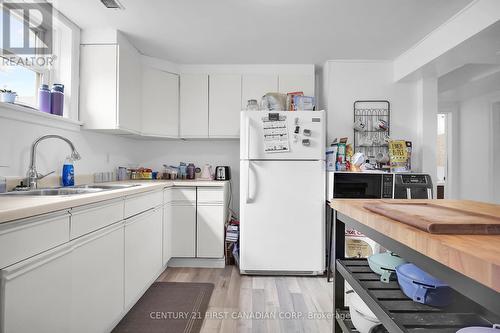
(494, 143)
(450, 127)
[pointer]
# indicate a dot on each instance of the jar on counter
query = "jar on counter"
(191, 170)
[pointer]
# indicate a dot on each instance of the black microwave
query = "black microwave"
(363, 185)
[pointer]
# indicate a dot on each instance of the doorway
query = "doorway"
(443, 148)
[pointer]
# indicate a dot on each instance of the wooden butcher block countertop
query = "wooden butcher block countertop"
(475, 256)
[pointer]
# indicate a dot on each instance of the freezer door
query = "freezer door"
(306, 135)
(282, 216)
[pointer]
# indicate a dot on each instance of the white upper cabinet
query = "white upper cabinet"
(110, 86)
(98, 86)
(254, 86)
(224, 105)
(129, 87)
(194, 105)
(160, 103)
(296, 82)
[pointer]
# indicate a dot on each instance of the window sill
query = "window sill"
(29, 115)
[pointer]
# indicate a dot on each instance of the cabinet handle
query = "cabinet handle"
(31, 264)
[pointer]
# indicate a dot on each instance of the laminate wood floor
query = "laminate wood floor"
(261, 304)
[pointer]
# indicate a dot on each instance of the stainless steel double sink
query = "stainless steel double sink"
(63, 191)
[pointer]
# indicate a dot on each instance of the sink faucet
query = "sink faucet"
(33, 176)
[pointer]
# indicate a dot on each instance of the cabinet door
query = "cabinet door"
(194, 105)
(296, 82)
(36, 294)
(98, 86)
(143, 252)
(210, 231)
(184, 229)
(160, 103)
(224, 105)
(255, 86)
(167, 233)
(129, 91)
(97, 288)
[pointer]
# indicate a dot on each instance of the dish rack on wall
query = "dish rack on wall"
(372, 139)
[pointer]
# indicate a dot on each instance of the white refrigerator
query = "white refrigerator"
(282, 186)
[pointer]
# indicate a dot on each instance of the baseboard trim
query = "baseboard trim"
(197, 262)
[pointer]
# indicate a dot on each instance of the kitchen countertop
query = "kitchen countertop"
(19, 207)
(475, 256)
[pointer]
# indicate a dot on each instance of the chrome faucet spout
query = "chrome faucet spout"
(32, 175)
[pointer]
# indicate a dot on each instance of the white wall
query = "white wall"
(100, 152)
(214, 152)
(348, 81)
(475, 140)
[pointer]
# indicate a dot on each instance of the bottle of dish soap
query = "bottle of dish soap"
(68, 172)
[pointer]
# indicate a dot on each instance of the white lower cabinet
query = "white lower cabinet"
(210, 231)
(167, 233)
(97, 287)
(184, 230)
(36, 294)
(143, 252)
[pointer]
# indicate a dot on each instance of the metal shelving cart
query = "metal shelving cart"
(397, 312)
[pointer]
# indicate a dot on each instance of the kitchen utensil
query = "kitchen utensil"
(206, 172)
(422, 287)
(384, 264)
(222, 173)
(438, 219)
(359, 125)
(362, 317)
(382, 125)
(478, 329)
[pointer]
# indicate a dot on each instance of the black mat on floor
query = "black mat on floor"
(168, 307)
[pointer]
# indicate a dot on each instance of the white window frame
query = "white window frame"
(49, 76)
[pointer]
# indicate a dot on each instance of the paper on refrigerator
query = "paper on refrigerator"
(276, 139)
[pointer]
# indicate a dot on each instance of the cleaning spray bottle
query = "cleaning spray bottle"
(68, 172)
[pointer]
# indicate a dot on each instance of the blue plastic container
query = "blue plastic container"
(423, 287)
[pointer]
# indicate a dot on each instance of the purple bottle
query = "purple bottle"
(44, 98)
(191, 169)
(57, 99)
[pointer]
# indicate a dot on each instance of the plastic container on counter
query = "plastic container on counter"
(422, 287)
(384, 264)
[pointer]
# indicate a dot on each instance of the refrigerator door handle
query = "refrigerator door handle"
(248, 200)
(247, 136)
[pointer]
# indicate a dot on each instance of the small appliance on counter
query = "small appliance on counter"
(206, 173)
(222, 173)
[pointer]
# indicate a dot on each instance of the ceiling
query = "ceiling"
(267, 31)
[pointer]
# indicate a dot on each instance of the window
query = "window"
(23, 75)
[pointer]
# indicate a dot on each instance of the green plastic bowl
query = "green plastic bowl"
(384, 264)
